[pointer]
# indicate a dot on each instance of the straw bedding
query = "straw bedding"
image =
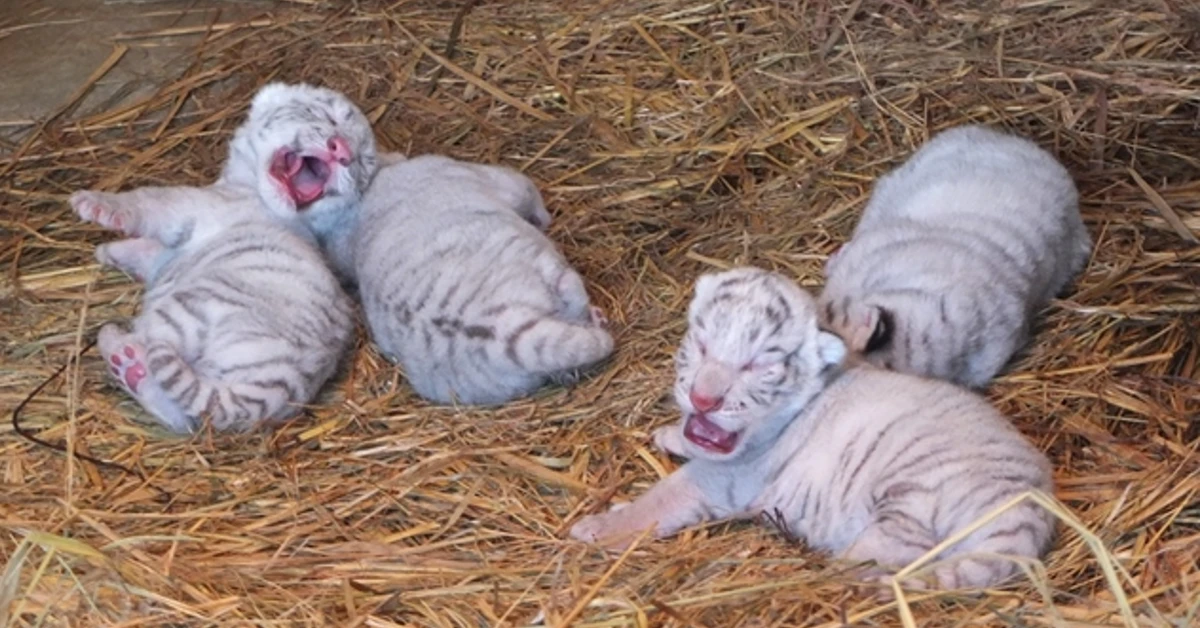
(669, 137)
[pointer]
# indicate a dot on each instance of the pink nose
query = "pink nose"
(340, 150)
(705, 404)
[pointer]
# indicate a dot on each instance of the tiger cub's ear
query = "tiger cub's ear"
(702, 292)
(881, 331)
(706, 284)
(869, 328)
(269, 95)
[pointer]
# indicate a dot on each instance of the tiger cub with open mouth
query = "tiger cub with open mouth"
(242, 320)
(857, 460)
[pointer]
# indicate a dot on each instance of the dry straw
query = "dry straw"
(669, 138)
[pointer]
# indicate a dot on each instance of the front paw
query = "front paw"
(592, 528)
(98, 207)
(669, 439)
(604, 529)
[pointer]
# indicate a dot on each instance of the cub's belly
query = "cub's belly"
(823, 519)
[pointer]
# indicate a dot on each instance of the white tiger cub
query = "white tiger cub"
(871, 464)
(956, 252)
(242, 320)
(319, 150)
(459, 284)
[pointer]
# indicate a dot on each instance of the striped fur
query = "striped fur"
(857, 460)
(955, 253)
(461, 287)
(242, 321)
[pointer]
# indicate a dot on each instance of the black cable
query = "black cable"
(33, 438)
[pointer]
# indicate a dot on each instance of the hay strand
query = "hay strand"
(669, 137)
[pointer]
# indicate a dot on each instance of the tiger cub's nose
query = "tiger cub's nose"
(705, 404)
(339, 149)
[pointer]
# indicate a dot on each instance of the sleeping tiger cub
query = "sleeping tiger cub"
(241, 321)
(955, 253)
(871, 464)
(460, 285)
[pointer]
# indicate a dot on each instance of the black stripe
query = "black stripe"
(511, 340)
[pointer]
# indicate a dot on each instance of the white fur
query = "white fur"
(241, 320)
(955, 253)
(304, 117)
(870, 464)
(428, 227)
(460, 285)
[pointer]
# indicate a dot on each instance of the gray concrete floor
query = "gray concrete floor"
(49, 48)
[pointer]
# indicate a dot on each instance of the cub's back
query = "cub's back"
(959, 247)
(456, 278)
(257, 277)
(453, 240)
(972, 163)
(899, 424)
(423, 238)
(878, 436)
(1002, 190)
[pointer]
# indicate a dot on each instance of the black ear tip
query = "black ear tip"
(881, 336)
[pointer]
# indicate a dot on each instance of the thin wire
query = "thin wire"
(33, 438)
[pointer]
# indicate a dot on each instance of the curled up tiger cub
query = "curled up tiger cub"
(870, 464)
(460, 285)
(241, 321)
(956, 252)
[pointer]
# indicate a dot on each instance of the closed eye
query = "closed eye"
(765, 359)
(759, 364)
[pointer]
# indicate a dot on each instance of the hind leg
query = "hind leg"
(973, 573)
(589, 344)
(573, 298)
(597, 317)
(892, 541)
(573, 302)
(136, 257)
(126, 359)
(1023, 531)
(586, 347)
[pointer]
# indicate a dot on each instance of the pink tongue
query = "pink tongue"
(308, 183)
(708, 435)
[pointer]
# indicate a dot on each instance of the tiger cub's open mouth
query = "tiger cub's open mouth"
(708, 435)
(303, 177)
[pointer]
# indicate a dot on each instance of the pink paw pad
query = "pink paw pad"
(598, 317)
(92, 209)
(130, 370)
